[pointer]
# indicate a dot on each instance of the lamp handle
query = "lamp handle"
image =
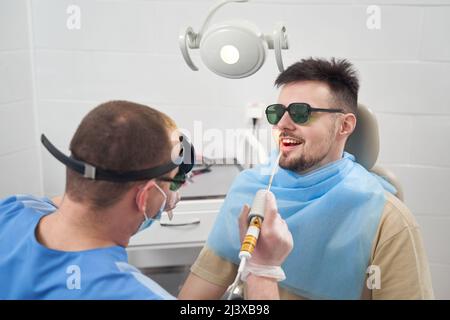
(280, 41)
(187, 37)
(212, 11)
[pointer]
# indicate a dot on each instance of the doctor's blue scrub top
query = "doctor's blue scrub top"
(28, 270)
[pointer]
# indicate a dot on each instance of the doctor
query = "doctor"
(123, 172)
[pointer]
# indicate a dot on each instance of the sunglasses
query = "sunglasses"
(300, 112)
(180, 178)
(176, 182)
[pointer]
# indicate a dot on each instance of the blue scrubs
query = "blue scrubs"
(28, 270)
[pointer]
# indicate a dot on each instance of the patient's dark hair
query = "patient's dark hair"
(119, 136)
(339, 75)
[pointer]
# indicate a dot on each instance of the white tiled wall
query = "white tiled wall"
(128, 49)
(20, 169)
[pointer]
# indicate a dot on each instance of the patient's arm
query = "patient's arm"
(261, 288)
(257, 288)
(196, 288)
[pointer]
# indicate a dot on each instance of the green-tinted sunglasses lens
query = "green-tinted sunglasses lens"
(274, 113)
(299, 112)
(174, 186)
(177, 181)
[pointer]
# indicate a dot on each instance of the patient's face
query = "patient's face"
(310, 145)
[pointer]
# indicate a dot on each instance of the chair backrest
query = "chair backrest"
(389, 176)
(364, 144)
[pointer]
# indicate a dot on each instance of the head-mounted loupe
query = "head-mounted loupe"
(184, 162)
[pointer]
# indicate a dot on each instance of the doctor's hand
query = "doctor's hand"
(275, 240)
(173, 197)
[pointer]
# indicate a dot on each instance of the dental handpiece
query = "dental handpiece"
(255, 218)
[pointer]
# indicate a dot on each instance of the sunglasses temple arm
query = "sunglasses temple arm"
(326, 110)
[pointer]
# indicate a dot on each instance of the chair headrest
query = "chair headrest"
(364, 142)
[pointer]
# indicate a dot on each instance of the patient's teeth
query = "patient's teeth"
(288, 140)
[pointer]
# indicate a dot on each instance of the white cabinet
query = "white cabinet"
(175, 242)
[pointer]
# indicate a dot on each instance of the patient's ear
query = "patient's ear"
(348, 124)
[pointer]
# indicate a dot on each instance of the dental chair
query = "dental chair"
(364, 144)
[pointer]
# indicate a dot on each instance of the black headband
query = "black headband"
(185, 162)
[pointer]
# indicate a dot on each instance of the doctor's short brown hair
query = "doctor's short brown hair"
(120, 136)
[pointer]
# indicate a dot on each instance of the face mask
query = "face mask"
(148, 221)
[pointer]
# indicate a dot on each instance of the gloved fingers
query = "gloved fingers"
(271, 210)
(172, 199)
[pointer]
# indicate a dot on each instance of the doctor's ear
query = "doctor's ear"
(348, 124)
(142, 195)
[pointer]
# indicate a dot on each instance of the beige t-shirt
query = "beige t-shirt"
(401, 268)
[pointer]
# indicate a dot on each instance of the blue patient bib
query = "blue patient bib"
(333, 214)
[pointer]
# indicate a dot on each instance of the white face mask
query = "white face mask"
(148, 221)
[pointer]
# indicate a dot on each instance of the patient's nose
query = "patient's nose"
(286, 122)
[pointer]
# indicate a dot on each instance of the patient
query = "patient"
(353, 239)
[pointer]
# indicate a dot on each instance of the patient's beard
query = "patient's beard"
(304, 162)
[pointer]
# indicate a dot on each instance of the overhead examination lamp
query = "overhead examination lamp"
(235, 49)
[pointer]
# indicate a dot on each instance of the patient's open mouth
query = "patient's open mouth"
(288, 143)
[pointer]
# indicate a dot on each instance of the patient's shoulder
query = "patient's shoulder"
(396, 212)
(396, 217)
